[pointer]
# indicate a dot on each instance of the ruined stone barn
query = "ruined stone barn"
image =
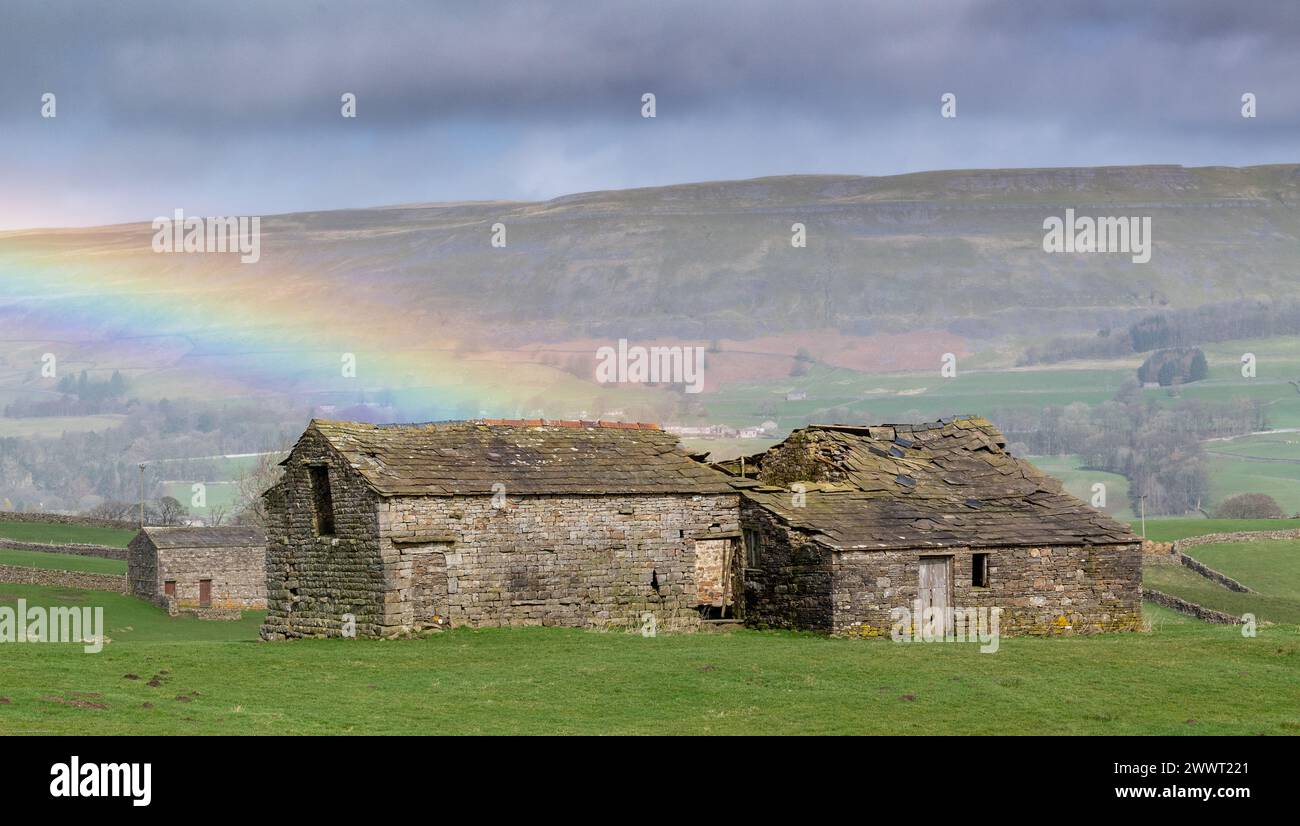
(220, 568)
(396, 528)
(843, 524)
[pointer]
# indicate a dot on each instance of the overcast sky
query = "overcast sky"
(234, 108)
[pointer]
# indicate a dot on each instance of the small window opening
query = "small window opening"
(322, 501)
(654, 581)
(979, 570)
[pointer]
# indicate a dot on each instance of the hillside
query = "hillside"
(437, 323)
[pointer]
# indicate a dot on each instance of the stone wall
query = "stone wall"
(1191, 609)
(238, 575)
(1041, 591)
(1159, 553)
(62, 519)
(1238, 536)
(583, 561)
(1213, 575)
(791, 587)
(67, 579)
(103, 551)
(311, 580)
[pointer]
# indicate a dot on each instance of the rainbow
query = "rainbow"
(205, 325)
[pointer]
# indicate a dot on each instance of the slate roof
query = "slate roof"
(935, 485)
(530, 457)
(225, 537)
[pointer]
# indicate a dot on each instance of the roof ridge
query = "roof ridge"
(486, 422)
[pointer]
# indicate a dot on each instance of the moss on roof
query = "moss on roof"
(529, 458)
(940, 484)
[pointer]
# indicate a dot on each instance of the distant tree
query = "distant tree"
(1249, 506)
(112, 509)
(250, 509)
(170, 511)
(217, 515)
(1178, 365)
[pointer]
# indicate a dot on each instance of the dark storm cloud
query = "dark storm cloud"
(279, 65)
(551, 92)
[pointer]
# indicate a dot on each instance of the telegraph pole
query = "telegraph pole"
(142, 494)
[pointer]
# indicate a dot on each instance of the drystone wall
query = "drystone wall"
(67, 579)
(102, 551)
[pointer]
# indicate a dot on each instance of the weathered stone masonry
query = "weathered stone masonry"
(585, 561)
(1049, 590)
(398, 528)
(845, 516)
(591, 527)
(231, 560)
(312, 580)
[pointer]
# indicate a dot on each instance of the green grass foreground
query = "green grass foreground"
(1182, 677)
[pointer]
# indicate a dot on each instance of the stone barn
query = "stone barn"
(844, 524)
(390, 529)
(218, 568)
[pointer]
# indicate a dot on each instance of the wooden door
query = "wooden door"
(169, 587)
(933, 591)
(205, 593)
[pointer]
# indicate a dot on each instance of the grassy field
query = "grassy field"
(62, 562)
(1268, 566)
(54, 534)
(1271, 568)
(1168, 529)
(1079, 482)
(1182, 677)
(1266, 463)
(224, 494)
(1189, 585)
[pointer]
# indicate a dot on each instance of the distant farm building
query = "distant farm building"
(216, 568)
(390, 529)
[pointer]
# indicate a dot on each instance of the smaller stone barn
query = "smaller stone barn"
(845, 524)
(391, 529)
(217, 568)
